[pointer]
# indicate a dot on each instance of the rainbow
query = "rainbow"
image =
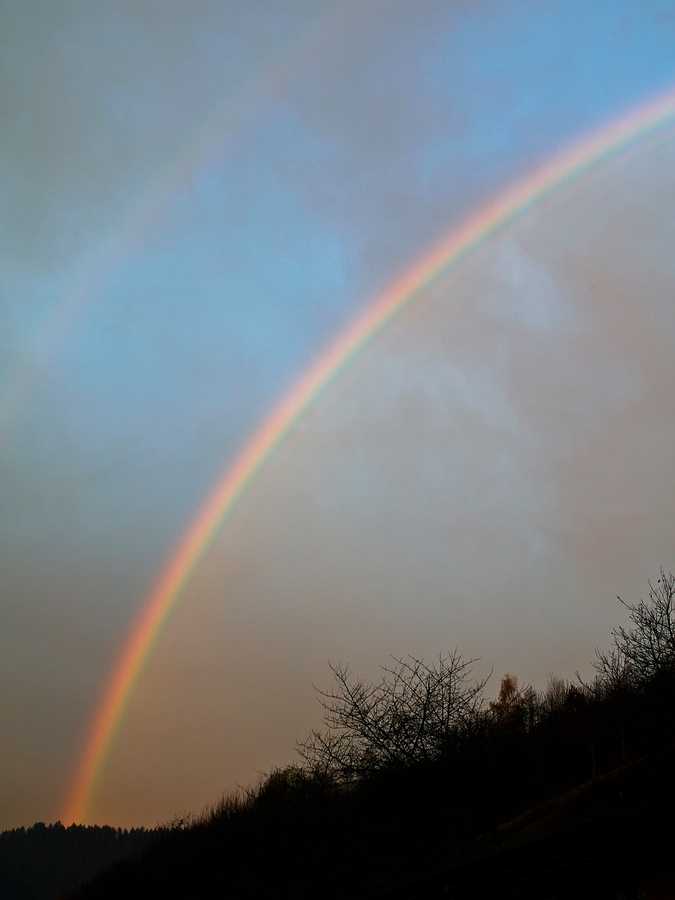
(569, 165)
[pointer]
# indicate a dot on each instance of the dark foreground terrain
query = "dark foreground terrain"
(611, 837)
(418, 788)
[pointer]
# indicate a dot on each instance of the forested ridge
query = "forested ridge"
(418, 773)
(44, 861)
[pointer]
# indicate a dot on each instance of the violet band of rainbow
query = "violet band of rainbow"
(220, 505)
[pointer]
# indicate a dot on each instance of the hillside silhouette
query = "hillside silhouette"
(416, 786)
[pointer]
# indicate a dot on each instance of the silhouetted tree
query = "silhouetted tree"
(507, 709)
(648, 649)
(413, 714)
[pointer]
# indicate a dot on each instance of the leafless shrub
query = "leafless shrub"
(410, 715)
(648, 649)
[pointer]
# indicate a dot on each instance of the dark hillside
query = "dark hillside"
(387, 833)
(506, 789)
(416, 777)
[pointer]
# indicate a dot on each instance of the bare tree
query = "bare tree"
(647, 649)
(410, 715)
(553, 699)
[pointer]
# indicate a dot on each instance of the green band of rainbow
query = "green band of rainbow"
(170, 587)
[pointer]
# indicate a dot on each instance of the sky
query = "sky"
(197, 199)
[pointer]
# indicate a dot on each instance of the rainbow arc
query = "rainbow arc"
(586, 155)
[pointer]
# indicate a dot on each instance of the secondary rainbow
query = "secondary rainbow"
(89, 275)
(221, 504)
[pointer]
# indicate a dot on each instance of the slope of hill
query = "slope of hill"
(418, 785)
(503, 787)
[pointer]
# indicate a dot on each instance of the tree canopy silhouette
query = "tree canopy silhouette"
(647, 649)
(409, 716)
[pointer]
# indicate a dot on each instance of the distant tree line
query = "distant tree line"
(44, 861)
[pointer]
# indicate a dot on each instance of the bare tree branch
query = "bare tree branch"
(647, 649)
(407, 717)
